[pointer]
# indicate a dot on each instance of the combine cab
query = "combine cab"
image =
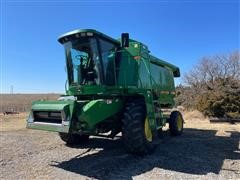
(113, 86)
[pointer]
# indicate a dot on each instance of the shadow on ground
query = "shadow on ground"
(195, 152)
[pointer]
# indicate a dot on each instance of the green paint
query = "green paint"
(98, 110)
(102, 75)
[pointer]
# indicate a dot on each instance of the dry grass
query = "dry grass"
(192, 115)
(13, 122)
(196, 120)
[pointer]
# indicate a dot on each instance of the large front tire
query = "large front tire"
(176, 123)
(73, 139)
(136, 133)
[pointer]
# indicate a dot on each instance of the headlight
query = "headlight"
(30, 117)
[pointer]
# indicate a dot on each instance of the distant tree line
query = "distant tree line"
(213, 86)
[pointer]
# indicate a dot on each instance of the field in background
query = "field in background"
(22, 102)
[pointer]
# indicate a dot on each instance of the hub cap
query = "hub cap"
(147, 130)
(179, 123)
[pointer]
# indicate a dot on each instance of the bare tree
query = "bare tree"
(213, 85)
(210, 69)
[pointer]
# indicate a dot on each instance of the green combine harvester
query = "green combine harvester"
(113, 86)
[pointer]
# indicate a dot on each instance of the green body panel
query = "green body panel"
(129, 65)
(49, 105)
(67, 106)
(133, 72)
(96, 111)
(66, 109)
(88, 90)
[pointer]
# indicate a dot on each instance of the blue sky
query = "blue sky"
(33, 61)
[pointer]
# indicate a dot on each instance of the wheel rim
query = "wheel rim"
(179, 123)
(147, 130)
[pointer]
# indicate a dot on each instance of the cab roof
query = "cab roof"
(86, 32)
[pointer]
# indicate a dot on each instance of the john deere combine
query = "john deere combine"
(113, 86)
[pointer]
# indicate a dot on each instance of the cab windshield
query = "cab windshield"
(91, 61)
(83, 61)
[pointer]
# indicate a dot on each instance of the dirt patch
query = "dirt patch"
(204, 151)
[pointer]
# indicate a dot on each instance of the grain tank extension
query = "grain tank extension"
(113, 86)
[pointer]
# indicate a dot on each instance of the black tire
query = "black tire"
(73, 139)
(176, 123)
(133, 128)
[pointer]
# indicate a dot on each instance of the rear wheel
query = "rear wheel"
(176, 123)
(72, 139)
(136, 133)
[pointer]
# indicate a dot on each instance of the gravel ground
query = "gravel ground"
(204, 151)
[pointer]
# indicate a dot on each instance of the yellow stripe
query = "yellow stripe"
(168, 92)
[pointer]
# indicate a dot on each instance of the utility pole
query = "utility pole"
(11, 90)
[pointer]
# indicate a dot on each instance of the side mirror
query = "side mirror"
(125, 40)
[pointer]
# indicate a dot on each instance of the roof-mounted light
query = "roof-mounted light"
(89, 34)
(83, 34)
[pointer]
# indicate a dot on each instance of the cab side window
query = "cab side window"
(108, 56)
